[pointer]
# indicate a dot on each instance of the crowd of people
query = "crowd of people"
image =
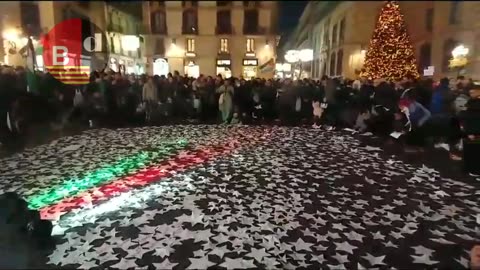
(409, 110)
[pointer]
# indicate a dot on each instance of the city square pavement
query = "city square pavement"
(242, 197)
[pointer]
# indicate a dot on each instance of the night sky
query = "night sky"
(290, 12)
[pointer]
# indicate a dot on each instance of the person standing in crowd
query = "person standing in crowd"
(470, 122)
(417, 116)
(267, 100)
(150, 98)
(225, 100)
(286, 102)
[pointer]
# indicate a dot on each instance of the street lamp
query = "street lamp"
(459, 59)
(460, 51)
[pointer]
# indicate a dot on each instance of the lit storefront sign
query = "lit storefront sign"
(224, 68)
(250, 68)
(250, 62)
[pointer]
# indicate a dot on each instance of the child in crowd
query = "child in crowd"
(317, 113)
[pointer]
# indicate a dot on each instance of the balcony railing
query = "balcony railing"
(161, 31)
(190, 30)
(224, 30)
(254, 30)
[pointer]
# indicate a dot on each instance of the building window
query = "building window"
(30, 18)
(334, 35)
(250, 45)
(158, 22)
(159, 46)
(429, 20)
(250, 21)
(448, 47)
(224, 45)
(342, 31)
(224, 25)
(190, 21)
(325, 36)
(339, 62)
(84, 4)
(454, 10)
(332, 64)
(425, 56)
(224, 3)
(190, 45)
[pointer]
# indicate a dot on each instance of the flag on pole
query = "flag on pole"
(268, 66)
(30, 69)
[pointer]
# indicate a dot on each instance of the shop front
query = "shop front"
(160, 67)
(130, 67)
(224, 68)
(192, 69)
(283, 70)
(139, 69)
(249, 68)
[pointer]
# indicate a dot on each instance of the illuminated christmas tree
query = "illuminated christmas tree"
(390, 54)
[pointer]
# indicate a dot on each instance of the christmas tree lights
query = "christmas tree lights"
(390, 54)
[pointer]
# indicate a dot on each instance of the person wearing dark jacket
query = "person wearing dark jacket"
(385, 105)
(470, 122)
(267, 100)
(438, 104)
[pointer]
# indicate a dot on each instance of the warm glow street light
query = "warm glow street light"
(11, 34)
(459, 59)
(460, 51)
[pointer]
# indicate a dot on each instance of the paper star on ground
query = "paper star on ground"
(200, 263)
(374, 260)
(238, 263)
(302, 245)
(345, 246)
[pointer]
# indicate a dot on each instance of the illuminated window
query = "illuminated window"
(224, 45)
(250, 45)
(190, 45)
